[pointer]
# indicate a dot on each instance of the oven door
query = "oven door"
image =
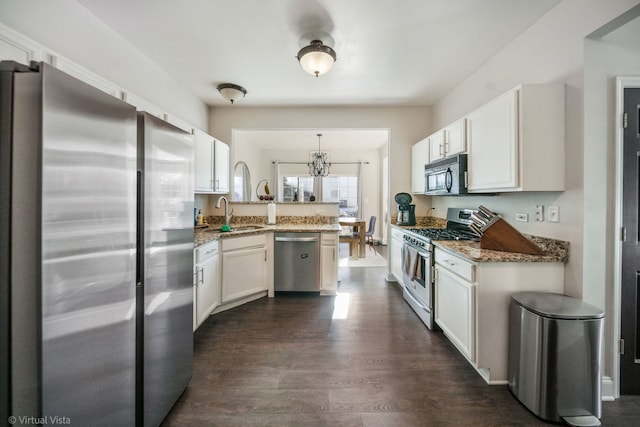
(416, 273)
(417, 289)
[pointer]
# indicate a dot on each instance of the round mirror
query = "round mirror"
(241, 183)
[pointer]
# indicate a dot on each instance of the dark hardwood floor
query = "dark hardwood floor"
(359, 359)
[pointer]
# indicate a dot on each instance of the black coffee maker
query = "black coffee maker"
(406, 211)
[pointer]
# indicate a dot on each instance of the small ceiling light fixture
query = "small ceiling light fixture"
(319, 165)
(231, 91)
(317, 58)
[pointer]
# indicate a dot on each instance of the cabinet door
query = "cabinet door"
(208, 289)
(329, 262)
(455, 310)
(436, 146)
(455, 138)
(221, 167)
(244, 272)
(419, 158)
(203, 162)
(395, 254)
(492, 140)
(329, 256)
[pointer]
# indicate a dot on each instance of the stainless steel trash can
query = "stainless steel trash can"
(554, 357)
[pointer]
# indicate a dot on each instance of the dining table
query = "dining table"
(359, 225)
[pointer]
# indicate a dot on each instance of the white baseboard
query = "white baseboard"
(608, 390)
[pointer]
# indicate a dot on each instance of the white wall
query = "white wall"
(407, 125)
(615, 54)
(553, 50)
(70, 30)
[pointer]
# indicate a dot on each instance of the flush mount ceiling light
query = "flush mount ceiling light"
(319, 165)
(316, 58)
(231, 91)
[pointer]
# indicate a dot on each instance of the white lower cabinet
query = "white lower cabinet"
(329, 263)
(395, 253)
(472, 305)
(207, 282)
(455, 307)
(244, 266)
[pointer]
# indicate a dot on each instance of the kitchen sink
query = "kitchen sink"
(216, 228)
(246, 227)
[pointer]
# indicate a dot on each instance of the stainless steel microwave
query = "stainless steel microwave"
(447, 176)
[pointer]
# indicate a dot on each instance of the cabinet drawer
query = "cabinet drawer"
(231, 243)
(396, 234)
(206, 251)
(330, 238)
(456, 265)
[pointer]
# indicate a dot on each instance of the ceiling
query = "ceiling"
(390, 52)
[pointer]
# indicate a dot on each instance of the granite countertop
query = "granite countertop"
(555, 250)
(206, 234)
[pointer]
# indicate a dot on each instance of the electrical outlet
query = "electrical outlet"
(554, 214)
(539, 213)
(522, 217)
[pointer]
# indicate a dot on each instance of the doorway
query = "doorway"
(630, 251)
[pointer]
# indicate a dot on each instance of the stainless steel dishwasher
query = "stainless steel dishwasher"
(297, 262)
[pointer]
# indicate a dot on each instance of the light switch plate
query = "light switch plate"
(522, 217)
(554, 214)
(539, 213)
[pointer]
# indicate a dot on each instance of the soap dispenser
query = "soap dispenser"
(200, 217)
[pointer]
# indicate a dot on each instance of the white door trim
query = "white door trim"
(622, 83)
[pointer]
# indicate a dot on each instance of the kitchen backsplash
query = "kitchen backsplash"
(280, 219)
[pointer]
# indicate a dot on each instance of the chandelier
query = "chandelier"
(319, 164)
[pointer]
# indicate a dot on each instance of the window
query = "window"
(295, 187)
(344, 190)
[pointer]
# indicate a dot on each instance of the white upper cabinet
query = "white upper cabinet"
(448, 141)
(455, 140)
(436, 146)
(221, 167)
(516, 142)
(203, 162)
(419, 158)
(211, 164)
(493, 144)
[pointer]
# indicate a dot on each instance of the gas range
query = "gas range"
(417, 261)
(458, 221)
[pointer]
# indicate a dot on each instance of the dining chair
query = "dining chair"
(368, 235)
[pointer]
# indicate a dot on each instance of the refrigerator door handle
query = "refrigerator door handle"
(139, 225)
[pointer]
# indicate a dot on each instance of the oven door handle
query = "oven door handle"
(425, 254)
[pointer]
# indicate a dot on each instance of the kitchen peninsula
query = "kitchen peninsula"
(237, 266)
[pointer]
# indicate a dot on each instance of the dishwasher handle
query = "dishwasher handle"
(296, 239)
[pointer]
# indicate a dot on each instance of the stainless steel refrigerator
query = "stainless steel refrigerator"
(96, 238)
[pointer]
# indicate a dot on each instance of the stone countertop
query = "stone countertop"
(213, 232)
(555, 250)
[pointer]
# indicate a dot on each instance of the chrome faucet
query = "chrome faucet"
(227, 215)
